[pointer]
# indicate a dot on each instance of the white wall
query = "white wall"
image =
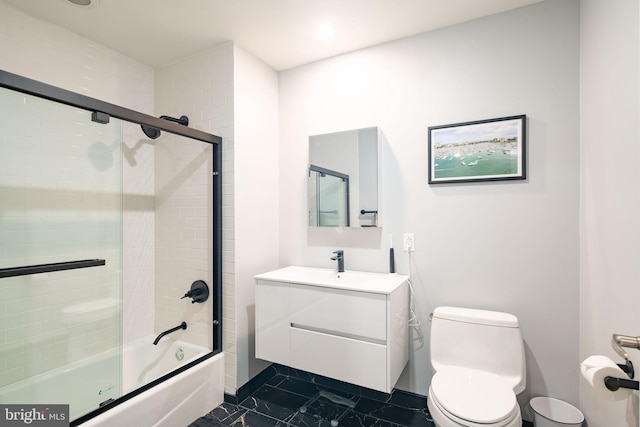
(509, 246)
(610, 198)
(256, 196)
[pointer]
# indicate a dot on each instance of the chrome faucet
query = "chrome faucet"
(340, 258)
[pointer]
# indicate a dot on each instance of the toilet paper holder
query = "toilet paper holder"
(618, 342)
(613, 383)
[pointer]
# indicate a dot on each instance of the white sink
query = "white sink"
(382, 283)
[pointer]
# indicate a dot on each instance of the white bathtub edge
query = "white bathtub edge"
(178, 401)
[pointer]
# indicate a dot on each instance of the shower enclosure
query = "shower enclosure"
(103, 228)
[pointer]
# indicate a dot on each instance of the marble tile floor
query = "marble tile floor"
(294, 398)
(297, 398)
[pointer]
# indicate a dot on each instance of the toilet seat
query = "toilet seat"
(470, 397)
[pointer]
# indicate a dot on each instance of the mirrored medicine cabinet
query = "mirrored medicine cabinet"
(343, 179)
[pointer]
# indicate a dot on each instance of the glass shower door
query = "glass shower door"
(328, 197)
(60, 255)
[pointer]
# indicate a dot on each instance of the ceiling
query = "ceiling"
(282, 33)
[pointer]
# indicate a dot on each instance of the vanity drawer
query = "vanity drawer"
(358, 315)
(353, 361)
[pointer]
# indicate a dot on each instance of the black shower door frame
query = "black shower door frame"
(101, 112)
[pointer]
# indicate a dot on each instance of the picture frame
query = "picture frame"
(482, 150)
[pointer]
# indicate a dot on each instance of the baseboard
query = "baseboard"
(250, 387)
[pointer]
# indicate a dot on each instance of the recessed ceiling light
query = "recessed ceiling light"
(324, 31)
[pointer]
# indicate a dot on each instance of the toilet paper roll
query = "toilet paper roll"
(596, 368)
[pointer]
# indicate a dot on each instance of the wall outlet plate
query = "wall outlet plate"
(408, 242)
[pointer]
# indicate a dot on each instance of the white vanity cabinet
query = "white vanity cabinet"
(349, 326)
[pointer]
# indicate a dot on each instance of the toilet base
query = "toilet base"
(442, 420)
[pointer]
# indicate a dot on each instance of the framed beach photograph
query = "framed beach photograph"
(484, 150)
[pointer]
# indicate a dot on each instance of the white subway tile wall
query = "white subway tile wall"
(59, 202)
(202, 89)
(47, 53)
(50, 54)
(183, 235)
(138, 234)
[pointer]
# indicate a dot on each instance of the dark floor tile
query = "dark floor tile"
(374, 394)
(350, 395)
(226, 413)
(354, 419)
(342, 387)
(527, 423)
(205, 422)
(276, 380)
(298, 386)
(393, 413)
(336, 386)
(403, 416)
(366, 406)
(291, 372)
(307, 420)
(311, 389)
(253, 419)
(408, 400)
(275, 403)
(278, 400)
(323, 408)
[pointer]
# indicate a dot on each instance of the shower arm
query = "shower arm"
(183, 120)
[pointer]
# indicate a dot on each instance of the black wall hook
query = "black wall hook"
(199, 292)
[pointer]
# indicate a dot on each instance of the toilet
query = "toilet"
(477, 357)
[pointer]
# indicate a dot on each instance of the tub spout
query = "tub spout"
(182, 325)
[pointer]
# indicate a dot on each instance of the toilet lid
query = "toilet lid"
(476, 396)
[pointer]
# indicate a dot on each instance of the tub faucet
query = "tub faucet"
(340, 258)
(182, 325)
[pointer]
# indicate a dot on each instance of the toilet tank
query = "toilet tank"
(489, 341)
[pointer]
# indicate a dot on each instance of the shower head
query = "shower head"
(153, 133)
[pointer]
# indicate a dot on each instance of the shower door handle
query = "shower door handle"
(48, 268)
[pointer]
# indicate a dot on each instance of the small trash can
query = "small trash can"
(550, 412)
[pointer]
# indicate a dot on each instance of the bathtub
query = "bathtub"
(175, 401)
